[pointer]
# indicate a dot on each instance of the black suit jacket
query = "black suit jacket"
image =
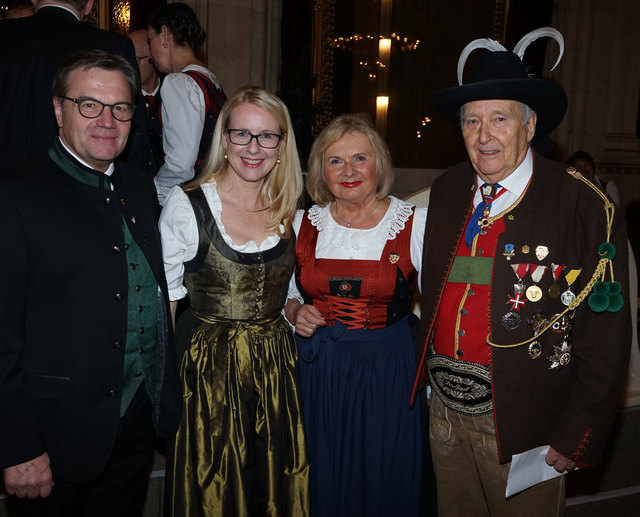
(63, 315)
(31, 49)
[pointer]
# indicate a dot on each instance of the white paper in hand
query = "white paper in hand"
(528, 469)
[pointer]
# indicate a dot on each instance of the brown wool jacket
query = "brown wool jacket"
(571, 407)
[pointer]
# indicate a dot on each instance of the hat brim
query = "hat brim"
(544, 97)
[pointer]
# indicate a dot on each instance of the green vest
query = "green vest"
(142, 330)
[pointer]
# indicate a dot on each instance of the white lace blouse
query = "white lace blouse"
(339, 242)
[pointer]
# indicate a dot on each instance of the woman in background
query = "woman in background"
(191, 95)
(358, 258)
(240, 449)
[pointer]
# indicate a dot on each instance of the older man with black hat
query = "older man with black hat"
(524, 278)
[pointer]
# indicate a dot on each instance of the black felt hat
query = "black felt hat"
(500, 74)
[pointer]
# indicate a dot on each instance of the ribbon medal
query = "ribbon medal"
(512, 320)
(570, 276)
(554, 289)
(534, 293)
(520, 271)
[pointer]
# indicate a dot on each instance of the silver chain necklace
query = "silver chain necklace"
(349, 223)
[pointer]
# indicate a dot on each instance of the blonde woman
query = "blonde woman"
(227, 243)
(359, 255)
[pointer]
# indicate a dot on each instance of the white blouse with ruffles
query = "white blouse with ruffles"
(179, 234)
(339, 242)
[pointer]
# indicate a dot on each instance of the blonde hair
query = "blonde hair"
(282, 187)
(337, 128)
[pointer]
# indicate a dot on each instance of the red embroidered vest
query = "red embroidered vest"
(463, 319)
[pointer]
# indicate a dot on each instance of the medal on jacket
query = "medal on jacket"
(541, 252)
(511, 320)
(570, 276)
(562, 325)
(562, 355)
(554, 289)
(516, 301)
(537, 322)
(520, 270)
(509, 252)
(534, 293)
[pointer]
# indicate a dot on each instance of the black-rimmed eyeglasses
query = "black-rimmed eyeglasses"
(243, 137)
(92, 108)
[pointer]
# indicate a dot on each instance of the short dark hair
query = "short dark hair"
(77, 4)
(183, 23)
(87, 59)
(581, 155)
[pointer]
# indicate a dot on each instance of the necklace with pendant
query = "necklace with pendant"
(350, 223)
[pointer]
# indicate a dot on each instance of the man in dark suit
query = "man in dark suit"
(87, 361)
(150, 83)
(30, 51)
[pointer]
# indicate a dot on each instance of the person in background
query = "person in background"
(87, 359)
(584, 163)
(31, 50)
(17, 10)
(525, 331)
(191, 95)
(358, 258)
(228, 244)
(150, 87)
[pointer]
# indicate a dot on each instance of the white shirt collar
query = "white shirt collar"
(109, 170)
(517, 181)
(155, 90)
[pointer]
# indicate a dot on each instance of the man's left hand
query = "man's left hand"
(559, 462)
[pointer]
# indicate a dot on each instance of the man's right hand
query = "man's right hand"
(30, 479)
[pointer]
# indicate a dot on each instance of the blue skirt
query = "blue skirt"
(363, 438)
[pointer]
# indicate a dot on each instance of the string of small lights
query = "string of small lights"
(402, 43)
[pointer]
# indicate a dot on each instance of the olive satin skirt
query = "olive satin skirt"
(240, 449)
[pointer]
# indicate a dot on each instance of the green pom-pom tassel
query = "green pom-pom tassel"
(615, 303)
(607, 250)
(598, 302)
(601, 288)
(614, 288)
